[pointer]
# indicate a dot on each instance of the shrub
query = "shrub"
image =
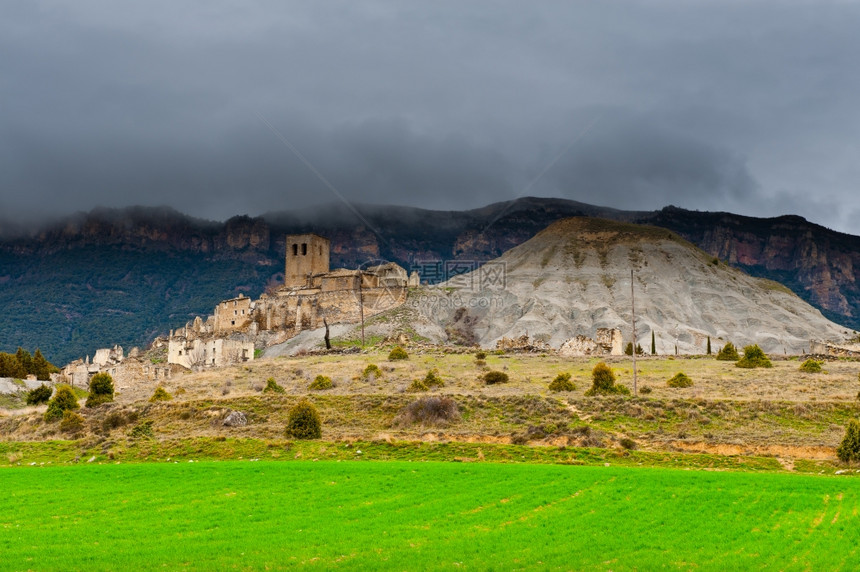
(728, 353)
(627, 443)
(628, 350)
(398, 353)
(432, 379)
(64, 400)
(321, 382)
(142, 431)
(562, 383)
(303, 421)
(160, 395)
(645, 390)
(430, 410)
(114, 420)
(680, 380)
(603, 382)
(811, 366)
(371, 372)
(101, 389)
(272, 386)
(417, 385)
(480, 362)
(39, 395)
(754, 357)
(481, 355)
(849, 449)
(494, 377)
(71, 422)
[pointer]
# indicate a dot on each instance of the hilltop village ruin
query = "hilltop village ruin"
(312, 295)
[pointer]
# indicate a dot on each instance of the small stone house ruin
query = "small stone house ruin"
(125, 370)
(607, 341)
(312, 294)
(828, 349)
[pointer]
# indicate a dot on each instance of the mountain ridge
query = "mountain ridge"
(125, 275)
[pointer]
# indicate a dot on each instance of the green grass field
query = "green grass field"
(417, 516)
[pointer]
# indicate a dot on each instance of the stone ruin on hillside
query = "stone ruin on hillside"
(607, 341)
(312, 295)
(126, 370)
(827, 349)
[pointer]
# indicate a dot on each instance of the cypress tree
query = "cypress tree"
(653, 344)
(709, 345)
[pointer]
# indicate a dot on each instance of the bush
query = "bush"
(754, 357)
(628, 350)
(397, 354)
(849, 449)
(272, 386)
(562, 383)
(480, 362)
(371, 372)
(64, 400)
(101, 390)
(494, 377)
(680, 380)
(603, 382)
(303, 421)
(627, 443)
(728, 353)
(481, 355)
(142, 431)
(430, 410)
(321, 382)
(432, 379)
(114, 420)
(39, 395)
(71, 422)
(645, 390)
(811, 366)
(160, 395)
(417, 385)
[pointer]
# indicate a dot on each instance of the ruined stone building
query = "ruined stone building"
(126, 370)
(606, 341)
(312, 294)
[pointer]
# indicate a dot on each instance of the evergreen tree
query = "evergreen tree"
(11, 367)
(101, 389)
(41, 367)
(26, 361)
(849, 449)
(653, 344)
(708, 349)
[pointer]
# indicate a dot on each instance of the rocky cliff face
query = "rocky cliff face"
(819, 264)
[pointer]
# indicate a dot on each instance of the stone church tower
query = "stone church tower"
(307, 255)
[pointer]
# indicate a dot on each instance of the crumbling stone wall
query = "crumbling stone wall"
(607, 341)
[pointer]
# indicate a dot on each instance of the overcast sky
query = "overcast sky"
(751, 107)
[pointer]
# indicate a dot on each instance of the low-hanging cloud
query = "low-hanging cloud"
(749, 107)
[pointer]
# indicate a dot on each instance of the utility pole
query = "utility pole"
(633, 310)
(361, 304)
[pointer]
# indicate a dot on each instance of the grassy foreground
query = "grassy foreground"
(416, 516)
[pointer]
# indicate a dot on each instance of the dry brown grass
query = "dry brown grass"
(728, 407)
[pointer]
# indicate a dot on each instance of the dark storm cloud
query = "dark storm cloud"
(751, 107)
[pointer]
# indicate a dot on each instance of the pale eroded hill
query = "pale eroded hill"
(574, 277)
